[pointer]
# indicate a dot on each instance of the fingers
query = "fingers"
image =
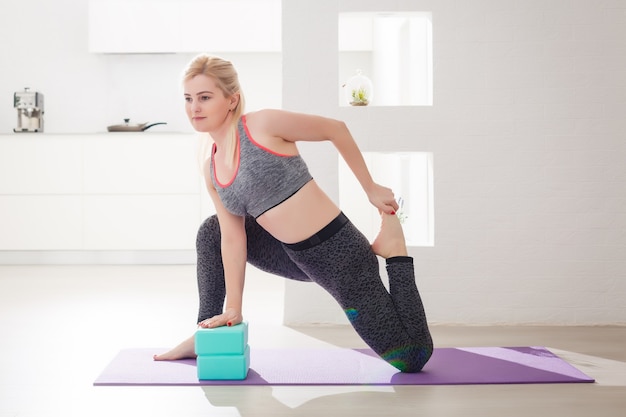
(233, 322)
(390, 207)
(388, 200)
(219, 321)
(393, 202)
(205, 324)
(216, 321)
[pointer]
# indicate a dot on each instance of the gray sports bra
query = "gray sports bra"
(263, 179)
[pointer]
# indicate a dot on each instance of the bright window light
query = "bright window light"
(394, 50)
(410, 176)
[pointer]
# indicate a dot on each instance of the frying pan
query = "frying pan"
(132, 127)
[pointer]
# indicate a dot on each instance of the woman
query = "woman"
(272, 213)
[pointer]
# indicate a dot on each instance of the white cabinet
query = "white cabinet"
(134, 26)
(40, 186)
(231, 26)
(33, 164)
(41, 222)
(137, 163)
(166, 26)
(106, 192)
(141, 222)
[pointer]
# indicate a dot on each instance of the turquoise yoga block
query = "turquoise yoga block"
(224, 367)
(225, 340)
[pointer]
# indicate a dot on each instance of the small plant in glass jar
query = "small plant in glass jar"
(359, 97)
(359, 90)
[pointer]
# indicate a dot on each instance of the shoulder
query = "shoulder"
(293, 126)
(263, 129)
(267, 122)
(267, 116)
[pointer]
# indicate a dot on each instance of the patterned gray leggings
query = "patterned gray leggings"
(392, 323)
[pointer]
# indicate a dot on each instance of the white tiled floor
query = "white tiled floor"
(61, 325)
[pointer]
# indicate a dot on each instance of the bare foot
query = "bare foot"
(390, 240)
(185, 350)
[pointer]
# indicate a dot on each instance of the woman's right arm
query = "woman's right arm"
(293, 127)
(234, 257)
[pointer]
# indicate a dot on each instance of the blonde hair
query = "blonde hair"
(227, 80)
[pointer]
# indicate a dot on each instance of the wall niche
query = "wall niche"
(393, 50)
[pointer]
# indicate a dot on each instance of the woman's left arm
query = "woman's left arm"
(295, 127)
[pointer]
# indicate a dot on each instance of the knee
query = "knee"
(208, 233)
(411, 359)
(420, 358)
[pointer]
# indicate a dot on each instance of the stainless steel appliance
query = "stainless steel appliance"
(30, 111)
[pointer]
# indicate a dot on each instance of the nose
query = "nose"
(195, 107)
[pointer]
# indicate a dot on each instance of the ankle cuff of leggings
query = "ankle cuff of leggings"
(399, 259)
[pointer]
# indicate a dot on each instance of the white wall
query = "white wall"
(528, 134)
(527, 131)
(45, 47)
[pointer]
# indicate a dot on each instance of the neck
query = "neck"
(221, 134)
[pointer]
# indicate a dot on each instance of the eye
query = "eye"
(205, 98)
(188, 99)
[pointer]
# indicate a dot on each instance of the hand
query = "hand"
(382, 198)
(229, 317)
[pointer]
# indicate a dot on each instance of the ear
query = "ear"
(234, 101)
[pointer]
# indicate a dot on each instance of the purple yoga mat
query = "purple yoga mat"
(338, 366)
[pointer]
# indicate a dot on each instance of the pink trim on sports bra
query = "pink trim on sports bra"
(257, 144)
(236, 169)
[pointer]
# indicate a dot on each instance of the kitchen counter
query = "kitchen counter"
(121, 191)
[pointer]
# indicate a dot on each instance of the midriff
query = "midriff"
(301, 215)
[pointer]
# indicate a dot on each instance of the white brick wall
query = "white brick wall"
(528, 133)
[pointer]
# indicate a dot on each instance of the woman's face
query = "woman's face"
(206, 106)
